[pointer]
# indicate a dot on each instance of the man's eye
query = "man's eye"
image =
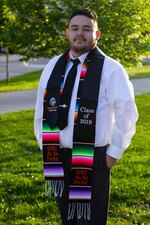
(87, 29)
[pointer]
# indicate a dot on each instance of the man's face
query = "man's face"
(82, 34)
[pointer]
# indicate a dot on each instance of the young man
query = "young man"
(84, 119)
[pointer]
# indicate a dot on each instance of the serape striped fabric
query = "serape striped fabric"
(82, 164)
(80, 189)
(53, 167)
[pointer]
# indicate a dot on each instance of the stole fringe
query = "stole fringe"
(54, 187)
(83, 210)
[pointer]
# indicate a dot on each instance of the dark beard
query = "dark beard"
(81, 50)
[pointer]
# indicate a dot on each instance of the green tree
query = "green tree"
(39, 25)
(37, 31)
(124, 26)
(125, 29)
(7, 21)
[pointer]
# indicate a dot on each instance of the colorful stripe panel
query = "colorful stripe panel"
(83, 71)
(47, 129)
(44, 93)
(61, 85)
(83, 150)
(80, 193)
(82, 161)
(76, 110)
(77, 105)
(50, 137)
(75, 116)
(53, 170)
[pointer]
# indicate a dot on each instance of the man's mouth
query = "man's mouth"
(79, 39)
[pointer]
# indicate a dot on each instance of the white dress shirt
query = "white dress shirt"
(116, 112)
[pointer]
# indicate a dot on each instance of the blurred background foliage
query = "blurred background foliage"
(35, 28)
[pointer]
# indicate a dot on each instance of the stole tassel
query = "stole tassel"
(54, 187)
(83, 210)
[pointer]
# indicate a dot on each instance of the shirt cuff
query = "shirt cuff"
(114, 151)
(40, 144)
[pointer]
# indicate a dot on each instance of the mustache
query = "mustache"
(79, 38)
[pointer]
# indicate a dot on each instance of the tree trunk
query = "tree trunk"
(7, 65)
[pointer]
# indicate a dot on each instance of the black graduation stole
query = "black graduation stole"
(80, 188)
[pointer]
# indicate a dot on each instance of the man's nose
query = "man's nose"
(80, 31)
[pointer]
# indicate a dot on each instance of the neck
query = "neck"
(78, 53)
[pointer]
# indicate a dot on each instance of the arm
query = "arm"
(121, 99)
(38, 114)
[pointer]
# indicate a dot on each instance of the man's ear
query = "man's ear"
(98, 35)
(66, 33)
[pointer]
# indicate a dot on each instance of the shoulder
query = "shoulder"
(112, 63)
(116, 80)
(50, 65)
(113, 69)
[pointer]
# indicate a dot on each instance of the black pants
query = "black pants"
(100, 193)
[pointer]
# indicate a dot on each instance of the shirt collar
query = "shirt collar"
(81, 58)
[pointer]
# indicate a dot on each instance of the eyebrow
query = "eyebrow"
(75, 25)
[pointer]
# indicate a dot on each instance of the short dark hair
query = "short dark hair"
(85, 12)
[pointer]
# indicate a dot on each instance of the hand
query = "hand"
(110, 161)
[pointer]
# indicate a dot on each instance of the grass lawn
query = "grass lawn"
(30, 80)
(24, 82)
(22, 184)
(139, 72)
